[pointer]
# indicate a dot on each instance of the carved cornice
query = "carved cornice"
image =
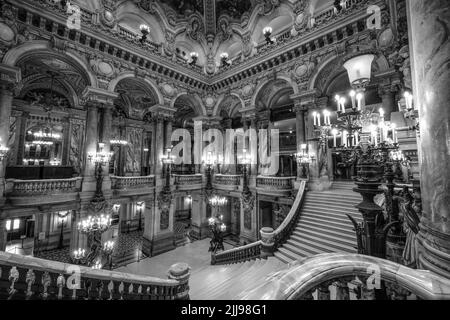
(99, 97)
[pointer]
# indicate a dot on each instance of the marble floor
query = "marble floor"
(195, 254)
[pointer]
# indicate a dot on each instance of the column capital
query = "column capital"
(99, 97)
(163, 112)
(9, 77)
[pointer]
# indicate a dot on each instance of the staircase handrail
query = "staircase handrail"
(270, 239)
(25, 277)
(301, 279)
(239, 254)
(278, 237)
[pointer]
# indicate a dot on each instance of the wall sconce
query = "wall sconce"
(267, 31)
(116, 208)
(194, 57)
(145, 30)
(224, 59)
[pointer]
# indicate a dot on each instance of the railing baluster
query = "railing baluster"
(13, 277)
(30, 279)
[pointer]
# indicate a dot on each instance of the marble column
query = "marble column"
(429, 22)
(6, 97)
(168, 134)
(106, 138)
(90, 147)
(3, 235)
(159, 145)
(153, 159)
(300, 126)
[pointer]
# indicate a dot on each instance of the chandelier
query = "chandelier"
(98, 223)
(218, 201)
(3, 151)
(118, 142)
(100, 157)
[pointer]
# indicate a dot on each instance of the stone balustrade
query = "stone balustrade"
(121, 183)
(248, 252)
(351, 275)
(42, 187)
(278, 183)
(187, 181)
(227, 179)
(29, 278)
(270, 239)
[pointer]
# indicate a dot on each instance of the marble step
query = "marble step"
(325, 221)
(321, 225)
(211, 281)
(332, 218)
(324, 232)
(216, 289)
(320, 246)
(343, 197)
(332, 210)
(325, 242)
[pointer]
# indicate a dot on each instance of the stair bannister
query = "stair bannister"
(353, 277)
(270, 240)
(29, 278)
(245, 253)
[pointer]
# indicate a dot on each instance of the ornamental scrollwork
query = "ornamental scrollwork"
(248, 202)
(164, 201)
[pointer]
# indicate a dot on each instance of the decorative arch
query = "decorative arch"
(196, 102)
(259, 89)
(129, 74)
(218, 106)
(41, 46)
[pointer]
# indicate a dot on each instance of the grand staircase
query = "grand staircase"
(224, 282)
(323, 226)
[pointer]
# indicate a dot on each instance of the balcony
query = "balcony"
(36, 192)
(281, 186)
(187, 181)
(131, 186)
(227, 181)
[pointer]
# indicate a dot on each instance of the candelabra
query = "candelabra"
(216, 224)
(145, 30)
(267, 31)
(108, 249)
(407, 108)
(167, 161)
(304, 159)
(224, 59)
(194, 58)
(3, 151)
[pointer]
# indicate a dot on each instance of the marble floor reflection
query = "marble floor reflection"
(195, 254)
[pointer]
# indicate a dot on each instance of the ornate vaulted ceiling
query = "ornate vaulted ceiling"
(207, 27)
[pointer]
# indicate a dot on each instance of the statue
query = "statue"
(411, 209)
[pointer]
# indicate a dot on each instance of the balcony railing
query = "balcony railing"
(352, 276)
(227, 179)
(29, 278)
(187, 179)
(124, 183)
(275, 183)
(42, 187)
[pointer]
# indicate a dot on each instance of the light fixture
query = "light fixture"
(79, 254)
(62, 215)
(3, 151)
(118, 142)
(116, 208)
(224, 59)
(194, 58)
(359, 66)
(98, 223)
(100, 157)
(145, 30)
(168, 158)
(55, 162)
(218, 201)
(267, 31)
